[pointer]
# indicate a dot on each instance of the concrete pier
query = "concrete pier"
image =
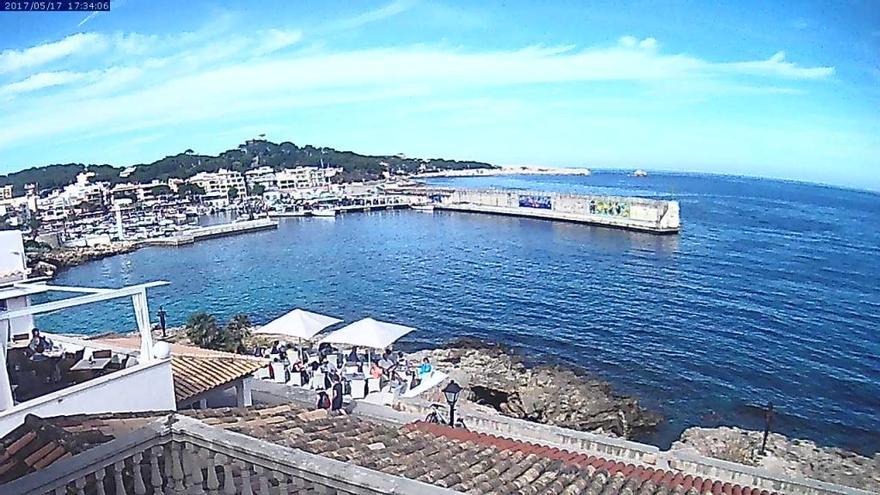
(212, 231)
(641, 214)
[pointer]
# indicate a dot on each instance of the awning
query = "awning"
(299, 324)
(368, 333)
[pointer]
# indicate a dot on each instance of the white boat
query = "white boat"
(425, 207)
(290, 213)
(640, 173)
(324, 212)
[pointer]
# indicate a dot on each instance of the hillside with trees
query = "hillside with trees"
(254, 153)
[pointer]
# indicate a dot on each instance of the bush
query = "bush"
(202, 330)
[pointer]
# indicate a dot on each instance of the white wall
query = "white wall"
(145, 387)
(22, 324)
(11, 251)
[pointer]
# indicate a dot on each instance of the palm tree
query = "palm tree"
(202, 330)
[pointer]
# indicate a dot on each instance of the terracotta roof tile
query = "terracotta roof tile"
(196, 375)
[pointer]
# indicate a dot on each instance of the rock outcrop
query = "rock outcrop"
(47, 262)
(496, 377)
(785, 455)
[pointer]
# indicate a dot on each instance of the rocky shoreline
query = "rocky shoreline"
(785, 456)
(47, 262)
(497, 378)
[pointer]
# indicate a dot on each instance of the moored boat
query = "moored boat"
(324, 212)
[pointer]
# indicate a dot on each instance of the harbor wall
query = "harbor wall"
(643, 214)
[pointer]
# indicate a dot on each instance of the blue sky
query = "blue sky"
(784, 89)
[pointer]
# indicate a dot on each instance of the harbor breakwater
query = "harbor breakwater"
(640, 214)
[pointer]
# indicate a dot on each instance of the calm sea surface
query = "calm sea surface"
(770, 293)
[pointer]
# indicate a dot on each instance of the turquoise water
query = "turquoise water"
(769, 293)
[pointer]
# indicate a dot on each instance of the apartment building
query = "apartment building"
(219, 182)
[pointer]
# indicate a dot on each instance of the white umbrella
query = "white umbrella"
(368, 333)
(299, 324)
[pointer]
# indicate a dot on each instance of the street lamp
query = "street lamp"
(451, 392)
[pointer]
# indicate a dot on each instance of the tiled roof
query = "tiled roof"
(459, 459)
(133, 342)
(455, 458)
(196, 375)
(38, 442)
(195, 370)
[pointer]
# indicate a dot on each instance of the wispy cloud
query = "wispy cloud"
(777, 66)
(147, 82)
(35, 56)
(388, 10)
(41, 80)
(276, 39)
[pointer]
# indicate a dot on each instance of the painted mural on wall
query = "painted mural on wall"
(612, 208)
(532, 201)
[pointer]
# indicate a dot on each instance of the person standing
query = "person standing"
(162, 320)
(336, 404)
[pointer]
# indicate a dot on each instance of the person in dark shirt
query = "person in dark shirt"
(353, 356)
(336, 404)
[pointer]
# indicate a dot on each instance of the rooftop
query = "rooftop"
(455, 459)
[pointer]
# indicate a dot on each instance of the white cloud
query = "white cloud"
(389, 10)
(276, 39)
(41, 81)
(35, 56)
(777, 66)
(628, 41)
(218, 78)
(648, 44)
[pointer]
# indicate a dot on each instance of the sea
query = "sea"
(770, 293)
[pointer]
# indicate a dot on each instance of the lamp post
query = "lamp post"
(451, 392)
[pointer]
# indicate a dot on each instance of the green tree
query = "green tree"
(258, 189)
(232, 193)
(237, 330)
(187, 190)
(202, 330)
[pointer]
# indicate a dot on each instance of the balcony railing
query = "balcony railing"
(181, 455)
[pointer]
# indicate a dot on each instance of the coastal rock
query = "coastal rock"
(496, 377)
(46, 262)
(785, 456)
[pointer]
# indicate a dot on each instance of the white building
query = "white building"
(263, 176)
(292, 180)
(219, 182)
(6, 192)
(299, 178)
(138, 191)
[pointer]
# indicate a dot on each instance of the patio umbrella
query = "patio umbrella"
(369, 333)
(299, 324)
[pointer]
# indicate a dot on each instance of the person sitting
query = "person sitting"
(402, 362)
(38, 344)
(299, 367)
(385, 363)
(323, 400)
(353, 356)
(376, 370)
(425, 369)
